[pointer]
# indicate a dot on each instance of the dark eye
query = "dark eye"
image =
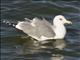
(60, 18)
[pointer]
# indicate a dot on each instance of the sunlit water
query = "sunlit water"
(15, 45)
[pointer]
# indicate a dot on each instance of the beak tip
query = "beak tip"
(70, 22)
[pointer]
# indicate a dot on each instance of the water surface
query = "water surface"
(15, 45)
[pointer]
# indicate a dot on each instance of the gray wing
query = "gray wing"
(41, 28)
(44, 28)
(27, 28)
(26, 19)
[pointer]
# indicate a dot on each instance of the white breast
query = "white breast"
(60, 31)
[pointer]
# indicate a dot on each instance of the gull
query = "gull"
(41, 29)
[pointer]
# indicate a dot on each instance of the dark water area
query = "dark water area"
(15, 45)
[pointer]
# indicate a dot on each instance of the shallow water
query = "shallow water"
(15, 45)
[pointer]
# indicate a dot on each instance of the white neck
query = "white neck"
(59, 30)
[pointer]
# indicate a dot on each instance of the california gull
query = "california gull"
(44, 30)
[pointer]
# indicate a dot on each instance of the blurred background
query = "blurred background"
(15, 45)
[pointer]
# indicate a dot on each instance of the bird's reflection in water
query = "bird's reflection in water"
(59, 44)
(46, 50)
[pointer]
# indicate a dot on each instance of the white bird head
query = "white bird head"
(61, 19)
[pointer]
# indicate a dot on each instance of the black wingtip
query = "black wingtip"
(8, 23)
